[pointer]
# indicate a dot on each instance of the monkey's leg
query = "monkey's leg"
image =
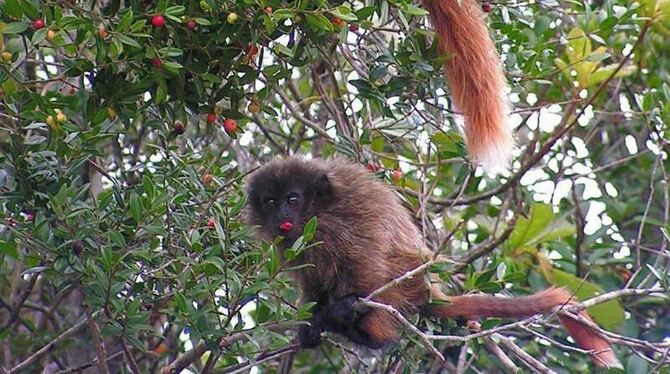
(336, 315)
(309, 336)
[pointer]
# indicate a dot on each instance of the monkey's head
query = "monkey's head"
(285, 194)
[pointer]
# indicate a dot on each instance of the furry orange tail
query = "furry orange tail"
(474, 306)
(475, 78)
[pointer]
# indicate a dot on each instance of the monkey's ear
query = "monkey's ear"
(321, 187)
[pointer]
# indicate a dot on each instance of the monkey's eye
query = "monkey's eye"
(293, 198)
(270, 202)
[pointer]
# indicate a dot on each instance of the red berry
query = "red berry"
(179, 127)
(286, 226)
(353, 28)
(372, 167)
(211, 118)
(252, 50)
(157, 62)
(30, 216)
(158, 20)
(191, 24)
(397, 175)
(268, 10)
(211, 223)
(486, 7)
(230, 126)
(38, 23)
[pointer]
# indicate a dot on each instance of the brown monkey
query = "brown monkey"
(369, 239)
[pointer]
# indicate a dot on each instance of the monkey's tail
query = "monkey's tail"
(474, 306)
(475, 76)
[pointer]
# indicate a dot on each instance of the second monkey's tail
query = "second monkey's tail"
(544, 302)
(476, 80)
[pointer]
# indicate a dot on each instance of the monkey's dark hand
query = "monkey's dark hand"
(342, 313)
(309, 336)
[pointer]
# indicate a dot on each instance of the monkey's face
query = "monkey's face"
(284, 195)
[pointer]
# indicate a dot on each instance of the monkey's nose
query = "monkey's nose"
(286, 226)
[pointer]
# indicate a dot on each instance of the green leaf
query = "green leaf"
(344, 13)
(12, 8)
(526, 229)
(14, 28)
(136, 209)
(310, 229)
(180, 302)
(128, 41)
(318, 22)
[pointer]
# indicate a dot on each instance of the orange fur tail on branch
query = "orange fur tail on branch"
(544, 302)
(475, 78)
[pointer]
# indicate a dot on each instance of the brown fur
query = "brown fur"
(369, 239)
(476, 81)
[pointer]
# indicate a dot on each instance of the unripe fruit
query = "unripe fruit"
(102, 32)
(179, 127)
(158, 20)
(6, 57)
(111, 113)
(38, 23)
(397, 175)
(204, 5)
(232, 18)
(51, 35)
(191, 24)
(211, 118)
(160, 349)
(253, 107)
(51, 121)
(486, 7)
(60, 117)
(207, 179)
(230, 126)
(157, 62)
(337, 22)
(211, 223)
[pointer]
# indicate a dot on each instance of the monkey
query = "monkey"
(366, 240)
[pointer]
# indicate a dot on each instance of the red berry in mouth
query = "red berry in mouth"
(158, 21)
(286, 226)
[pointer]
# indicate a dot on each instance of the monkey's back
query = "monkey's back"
(368, 237)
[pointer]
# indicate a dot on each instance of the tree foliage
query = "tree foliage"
(127, 128)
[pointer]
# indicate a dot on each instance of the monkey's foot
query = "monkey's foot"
(309, 336)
